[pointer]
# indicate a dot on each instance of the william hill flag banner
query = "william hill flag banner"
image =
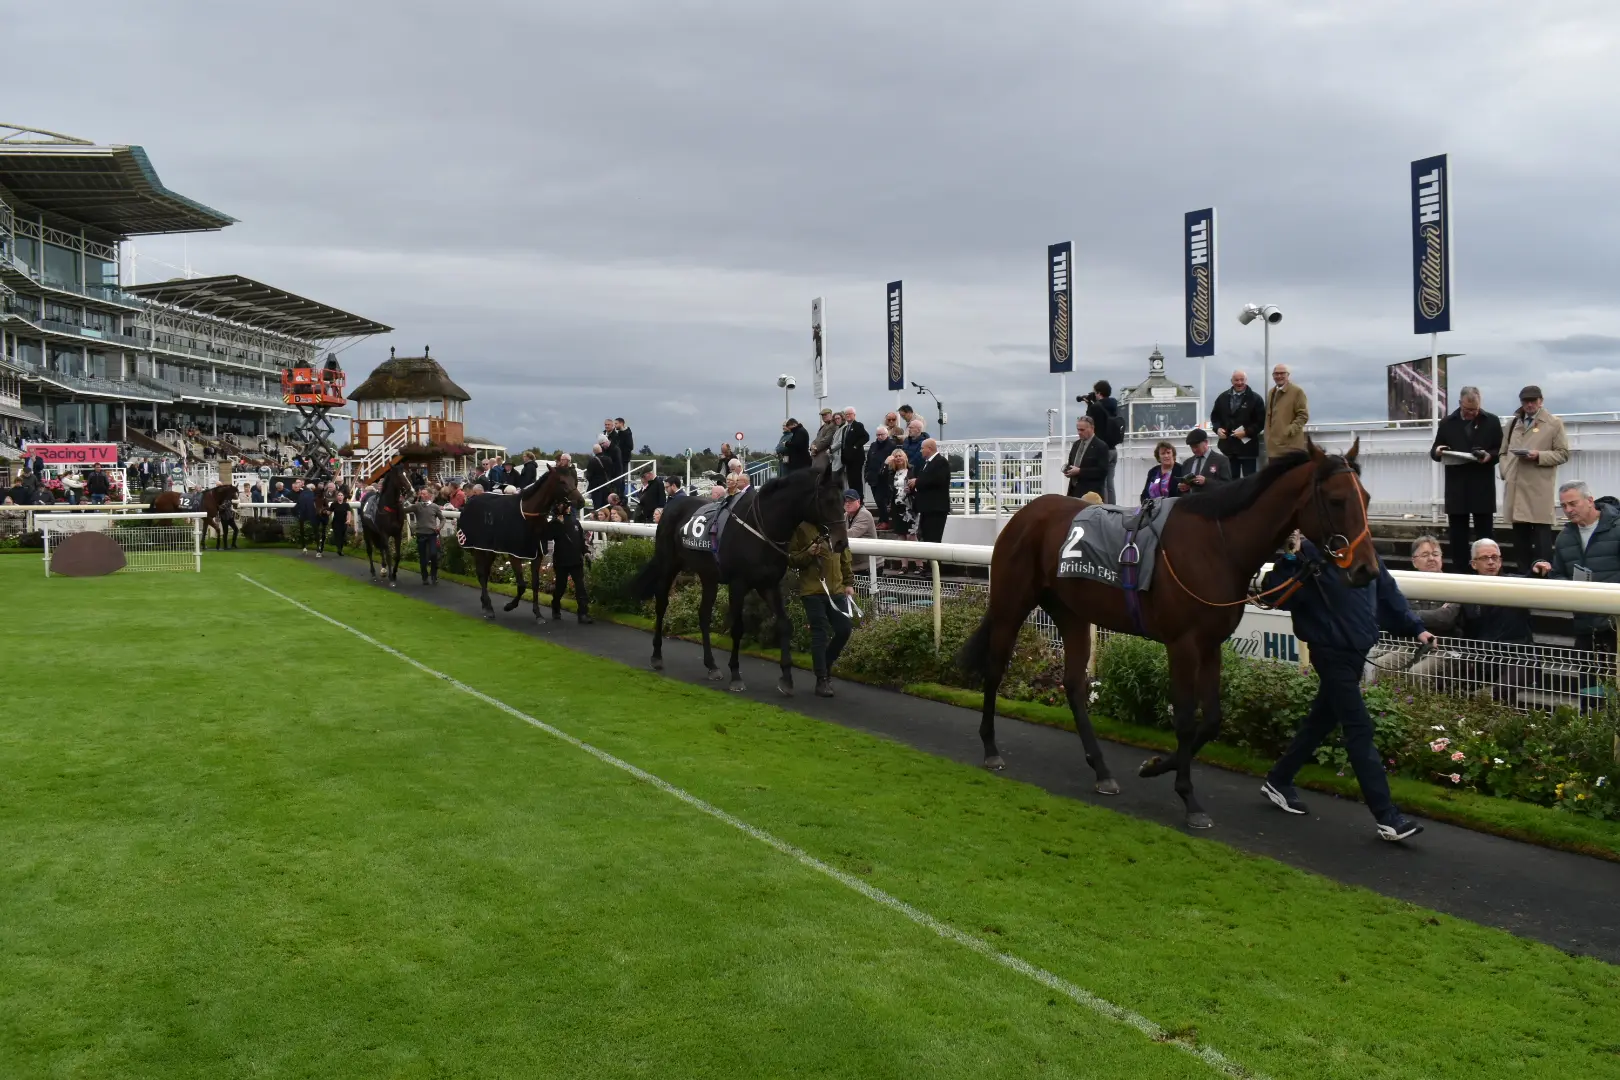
(1058, 300)
(1199, 231)
(897, 338)
(1431, 247)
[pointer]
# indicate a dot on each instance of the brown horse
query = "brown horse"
(1211, 547)
(218, 502)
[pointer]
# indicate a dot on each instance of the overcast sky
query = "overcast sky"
(626, 208)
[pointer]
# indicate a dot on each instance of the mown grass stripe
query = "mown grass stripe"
(1079, 994)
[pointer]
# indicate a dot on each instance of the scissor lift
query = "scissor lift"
(315, 392)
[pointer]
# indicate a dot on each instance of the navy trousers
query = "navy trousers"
(1338, 704)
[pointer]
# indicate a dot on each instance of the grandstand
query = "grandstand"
(176, 366)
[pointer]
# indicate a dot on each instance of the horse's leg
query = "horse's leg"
(1185, 665)
(483, 561)
(661, 605)
(398, 540)
(534, 572)
(784, 638)
(366, 536)
(1076, 633)
(517, 574)
(1009, 607)
(711, 589)
(1209, 697)
(738, 593)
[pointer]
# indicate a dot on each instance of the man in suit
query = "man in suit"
(1238, 418)
(652, 497)
(1207, 468)
(855, 439)
(1470, 485)
(1287, 413)
(569, 553)
(931, 489)
(596, 475)
(793, 450)
(1087, 469)
(626, 443)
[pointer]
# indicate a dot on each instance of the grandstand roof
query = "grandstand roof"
(253, 303)
(408, 378)
(112, 188)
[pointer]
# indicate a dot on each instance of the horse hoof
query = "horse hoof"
(489, 614)
(658, 664)
(737, 686)
(784, 688)
(1107, 787)
(1151, 767)
(1200, 820)
(715, 674)
(994, 763)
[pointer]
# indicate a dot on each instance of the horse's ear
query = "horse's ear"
(1355, 448)
(1316, 452)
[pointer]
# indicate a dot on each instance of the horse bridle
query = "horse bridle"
(824, 527)
(1341, 550)
(548, 507)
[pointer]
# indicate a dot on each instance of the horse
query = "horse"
(534, 505)
(1212, 545)
(218, 503)
(752, 557)
(385, 521)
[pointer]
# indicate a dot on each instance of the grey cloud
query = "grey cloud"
(1582, 345)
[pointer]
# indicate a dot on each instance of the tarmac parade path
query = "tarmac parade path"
(1566, 900)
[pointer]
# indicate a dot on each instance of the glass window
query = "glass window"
(100, 275)
(61, 266)
(65, 361)
(96, 365)
(28, 251)
(30, 352)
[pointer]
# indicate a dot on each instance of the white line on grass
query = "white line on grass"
(1102, 1006)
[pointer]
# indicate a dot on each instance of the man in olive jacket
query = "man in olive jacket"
(1587, 549)
(826, 589)
(1470, 486)
(1287, 413)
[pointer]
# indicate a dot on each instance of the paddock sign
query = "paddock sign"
(89, 453)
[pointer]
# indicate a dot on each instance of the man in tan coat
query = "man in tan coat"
(1533, 447)
(1287, 413)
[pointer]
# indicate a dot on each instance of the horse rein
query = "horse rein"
(1341, 552)
(781, 549)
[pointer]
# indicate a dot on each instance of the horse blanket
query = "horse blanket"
(1098, 546)
(496, 523)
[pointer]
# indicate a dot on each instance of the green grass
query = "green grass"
(237, 841)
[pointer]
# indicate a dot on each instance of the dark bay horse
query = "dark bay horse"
(534, 505)
(752, 558)
(382, 519)
(1212, 545)
(218, 502)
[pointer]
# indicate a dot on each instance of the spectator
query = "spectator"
(477, 490)
(855, 439)
(340, 521)
(1438, 618)
(1532, 450)
(596, 475)
(97, 486)
(672, 488)
(736, 483)
(879, 477)
(306, 514)
(902, 516)
(651, 498)
(1163, 477)
(826, 582)
(626, 442)
(612, 456)
(1341, 624)
(826, 435)
(427, 518)
(1486, 622)
(857, 518)
(1587, 549)
(932, 490)
(255, 493)
(906, 414)
(1206, 469)
(1239, 416)
(717, 493)
(1104, 412)
(1287, 413)
(570, 551)
(1087, 469)
(528, 472)
(896, 430)
(793, 449)
(279, 494)
(912, 445)
(1470, 486)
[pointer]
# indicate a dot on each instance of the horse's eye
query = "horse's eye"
(1337, 502)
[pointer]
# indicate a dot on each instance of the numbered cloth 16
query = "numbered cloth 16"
(701, 532)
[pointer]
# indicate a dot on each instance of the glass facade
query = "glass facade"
(61, 267)
(28, 252)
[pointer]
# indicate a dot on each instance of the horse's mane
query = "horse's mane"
(1239, 495)
(789, 480)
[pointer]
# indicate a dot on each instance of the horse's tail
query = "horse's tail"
(974, 654)
(645, 585)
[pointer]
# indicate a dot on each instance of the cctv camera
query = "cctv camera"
(787, 382)
(1249, 313)
(1272, 313)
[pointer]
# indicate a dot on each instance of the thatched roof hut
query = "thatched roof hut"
(409, 378)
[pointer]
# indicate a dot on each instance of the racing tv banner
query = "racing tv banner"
(818, 354)
(1198, 230)
(74, 453)
(1431, 246)
(897, 338)
(1058, 299)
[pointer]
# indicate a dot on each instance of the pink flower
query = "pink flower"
(1456, 778)
(1439, 745)
(1458, 756)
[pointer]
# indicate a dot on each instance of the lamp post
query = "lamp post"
(1268, 314)
(938, 405)
(788, 384)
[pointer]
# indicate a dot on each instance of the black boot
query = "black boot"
(585, 620)
(556, 614)
(823, 686)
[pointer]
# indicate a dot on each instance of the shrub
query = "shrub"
(1262, 702)
(1133, 681)
(612, 572)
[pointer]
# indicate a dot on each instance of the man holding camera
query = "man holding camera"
(1104, 413)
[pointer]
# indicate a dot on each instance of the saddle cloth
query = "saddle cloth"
(496, 523)
(701, 531)
(1096, 544)
(191, 501)
(368, 509)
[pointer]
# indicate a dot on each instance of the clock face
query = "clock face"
(1156, 364)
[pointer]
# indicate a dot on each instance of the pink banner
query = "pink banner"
(89, 453)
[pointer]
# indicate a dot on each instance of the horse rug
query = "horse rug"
(1100, 545)
(496, 523)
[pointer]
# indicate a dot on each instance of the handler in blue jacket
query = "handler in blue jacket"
(1341, 626)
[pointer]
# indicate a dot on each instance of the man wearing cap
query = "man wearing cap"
(858, 522)
(1287, 413)
(827, 439)
(1532, 449)
(651, 496)
(1207, 468)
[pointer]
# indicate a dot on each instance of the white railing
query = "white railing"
(150, 542)
(377, 458)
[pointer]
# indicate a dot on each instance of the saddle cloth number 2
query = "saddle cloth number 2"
(1071, 546)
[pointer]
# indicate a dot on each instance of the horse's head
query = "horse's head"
(828, 505)
(557, 486)
(1334, 513)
